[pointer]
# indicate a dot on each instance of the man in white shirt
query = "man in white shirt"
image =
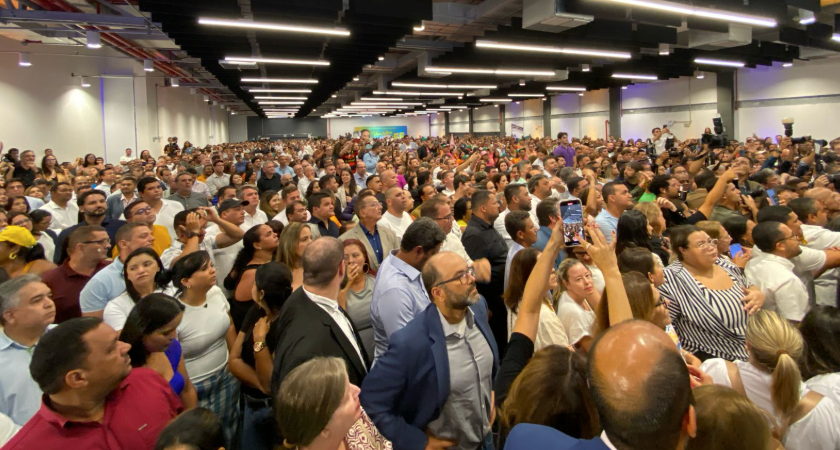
(814, 217)
(193, 236)
(124, 160)
(308, 178)
(448, 183)
(539, 187)
(64, 213)
(253, 214)
(395, 218)
(772, 270)
(231, 211)
(151, 192)
(290, 194)
(440, 211)
(218, 179)
(107, 177)
(524, 233)
(517, 199)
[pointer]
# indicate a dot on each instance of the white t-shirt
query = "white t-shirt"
(828, 385)
(202, 336)
(784, 292)
(49, 245)
(549, 332)
(396, 224)
(577, 321)
(117, 310)
(124, 160)
(223, 257)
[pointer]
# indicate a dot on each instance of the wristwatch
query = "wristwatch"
(258, 346)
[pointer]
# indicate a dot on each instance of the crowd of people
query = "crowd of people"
(424, 294)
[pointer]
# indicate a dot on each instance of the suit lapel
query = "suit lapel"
(439, 352)
(360, 235)
(338, 334)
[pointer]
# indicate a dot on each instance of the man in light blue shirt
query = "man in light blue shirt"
(399, 293)
(617, 199)
(26, 313)
(283, 167)
(371, 158)
(548, 214)
(522, 230)
(108, 283)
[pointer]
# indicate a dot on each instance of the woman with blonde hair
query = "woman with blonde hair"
(318, 407)
(577, 299)
(771, 379)
(722, 416)
(293, 241)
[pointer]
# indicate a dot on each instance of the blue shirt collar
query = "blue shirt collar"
(367, 232)
(404, 267)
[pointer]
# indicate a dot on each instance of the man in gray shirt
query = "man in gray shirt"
(184, 193)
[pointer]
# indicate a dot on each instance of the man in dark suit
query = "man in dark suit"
(432, 388)
(641, 388)
(312, 322)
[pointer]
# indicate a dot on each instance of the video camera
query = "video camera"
(787, 122)
(718, 139)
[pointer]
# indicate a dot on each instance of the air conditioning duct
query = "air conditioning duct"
(551, 16)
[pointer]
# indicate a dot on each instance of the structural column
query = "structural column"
(615, 112)
(446, 124)
(726, 102)
(470, 120)
(502, 120)
(547, 117)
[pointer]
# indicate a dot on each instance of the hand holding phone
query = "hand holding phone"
(735, 250)
(572, 214)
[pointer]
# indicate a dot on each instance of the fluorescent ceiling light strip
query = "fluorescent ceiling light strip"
(496, 99)
(420, 94)
(272, 26)
(808, 21)
(444, 86)
(379, 99)
(526, 95)
(285, 91)
(835, 37)
(303, 62)
(385, 104)
(700, 12)
(454, 107)
(719, 62)
(545, 73)
(560, 50)
(268, 97)
(634, 76)
(280, 80)
(272, 102)
(566, 88)
(240, 63)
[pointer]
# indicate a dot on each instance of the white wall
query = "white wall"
(588, 113)
(44, 106)
(486, 119)
(642, 106)
(459, 121)
(238, 128)
(527, 114)
(417, 126)
(437, 124)
(189, 117)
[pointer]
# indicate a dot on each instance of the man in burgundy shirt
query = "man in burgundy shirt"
(88, 247)
(93, 399)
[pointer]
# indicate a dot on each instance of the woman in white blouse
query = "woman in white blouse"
(206, 334)
(578, 300)
(806, 419)
(550, 330)
(821, 364)
(143, 274)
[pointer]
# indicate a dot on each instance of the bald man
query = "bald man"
(640, 387)
(395, 218)
(830, 200)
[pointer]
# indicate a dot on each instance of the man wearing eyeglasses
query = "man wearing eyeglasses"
(399, 294)
(772, 270)
(433, 388)
(141, 212)
(88, 247)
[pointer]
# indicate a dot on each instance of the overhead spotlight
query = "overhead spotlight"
(581, 94)
(623, 88)
(355, 78)
(175, 82)
(421, 27)
(585, 68)
(85, 82)
(699, 75)
(23, 60)
(215, 103)
(381, 58)
(94, 40)
(835, 37)
(522, 82)
(664, 49)
(806, 17)
(787, 64)
(149, 65)
(333, 96)
(206, 98)
(460, 97)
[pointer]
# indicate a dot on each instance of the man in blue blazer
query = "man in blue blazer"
(641, 389)
(432, 388)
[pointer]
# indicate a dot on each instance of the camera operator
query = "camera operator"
(658, 144)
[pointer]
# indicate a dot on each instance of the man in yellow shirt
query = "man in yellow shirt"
(140, 211)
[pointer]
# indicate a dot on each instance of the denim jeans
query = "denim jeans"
(257, 426)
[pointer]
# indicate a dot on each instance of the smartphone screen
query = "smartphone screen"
(771, 197)
(735, 249)
(572, 215)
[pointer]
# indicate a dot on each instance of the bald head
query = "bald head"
(322, 261)
(640, 386)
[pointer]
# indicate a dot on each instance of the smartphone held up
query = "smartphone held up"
(572, 214)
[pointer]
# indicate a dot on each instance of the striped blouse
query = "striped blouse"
(707, 320)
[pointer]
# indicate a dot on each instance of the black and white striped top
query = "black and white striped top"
(707, 320)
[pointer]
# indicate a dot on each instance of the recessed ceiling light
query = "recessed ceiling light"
(94, 40)
(85, 82)
(548, 49)
(272, 26)
(788, 64)
(700, 75)
(585, 68)
(624, 88)
(280, 80)
(23, 59)
(149, 65)
(302, 62)
(381, 58)
(719, 62)
(697, 11)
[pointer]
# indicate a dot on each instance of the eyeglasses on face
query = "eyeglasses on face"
(793, 237)
(99, 242)
(464, 277)
(709, 243)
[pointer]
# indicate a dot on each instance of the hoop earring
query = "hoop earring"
(13, 256)
(366, 268)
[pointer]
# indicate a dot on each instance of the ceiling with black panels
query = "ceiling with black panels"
(374, 26)
(400, 40)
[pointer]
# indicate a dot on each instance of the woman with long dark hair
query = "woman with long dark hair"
(550, 330)
(252, 355)
(144, 274)
(206, 334)
(151, 329)
(634, 230)
(259, 246)
(51, 171)
(821, 363)
(356, 296)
